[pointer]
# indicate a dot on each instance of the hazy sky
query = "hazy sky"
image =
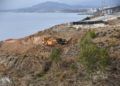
(13, 4)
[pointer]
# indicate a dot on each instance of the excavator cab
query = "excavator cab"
(61, 41)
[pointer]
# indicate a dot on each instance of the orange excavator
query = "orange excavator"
(51, 41)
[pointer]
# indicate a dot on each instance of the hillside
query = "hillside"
(46, 7)
(50, 6)
(115, 9)
(29, 61)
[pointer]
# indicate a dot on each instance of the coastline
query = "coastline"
(21, 25)
(30, 61)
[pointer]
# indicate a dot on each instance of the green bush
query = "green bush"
(40, 75)
(92, 34)
(73, 66)
(55, 54)
(92, 57)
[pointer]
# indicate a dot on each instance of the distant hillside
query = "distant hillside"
(54, 7)
(115, 9)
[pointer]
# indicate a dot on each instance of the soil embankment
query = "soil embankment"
(30, 62)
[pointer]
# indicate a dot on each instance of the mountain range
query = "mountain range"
(55, 7)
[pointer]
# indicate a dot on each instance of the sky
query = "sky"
(14, 4)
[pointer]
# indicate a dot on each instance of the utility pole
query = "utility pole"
(111, 11)
(103, 7)
(105, 10)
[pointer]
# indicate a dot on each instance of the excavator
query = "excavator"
(51, 41)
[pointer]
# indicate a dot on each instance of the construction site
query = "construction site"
(101, 18)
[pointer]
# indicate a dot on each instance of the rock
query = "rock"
(5, 81)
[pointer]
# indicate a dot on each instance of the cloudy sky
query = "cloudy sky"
(13, 4)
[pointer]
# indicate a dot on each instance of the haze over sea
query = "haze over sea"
(17, 25)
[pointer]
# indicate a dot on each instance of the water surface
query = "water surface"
(16, 25)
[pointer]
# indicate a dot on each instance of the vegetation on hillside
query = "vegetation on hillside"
(55, 54)
(93, 58)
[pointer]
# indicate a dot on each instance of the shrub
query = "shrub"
(92, 57)
(92, 34)
(55, 54)
(40, 75)
(73, 66)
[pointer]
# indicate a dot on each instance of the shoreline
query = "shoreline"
(26, 24)
(28, 61)
(87, 22)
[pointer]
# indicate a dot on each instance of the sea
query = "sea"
(18, 25)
